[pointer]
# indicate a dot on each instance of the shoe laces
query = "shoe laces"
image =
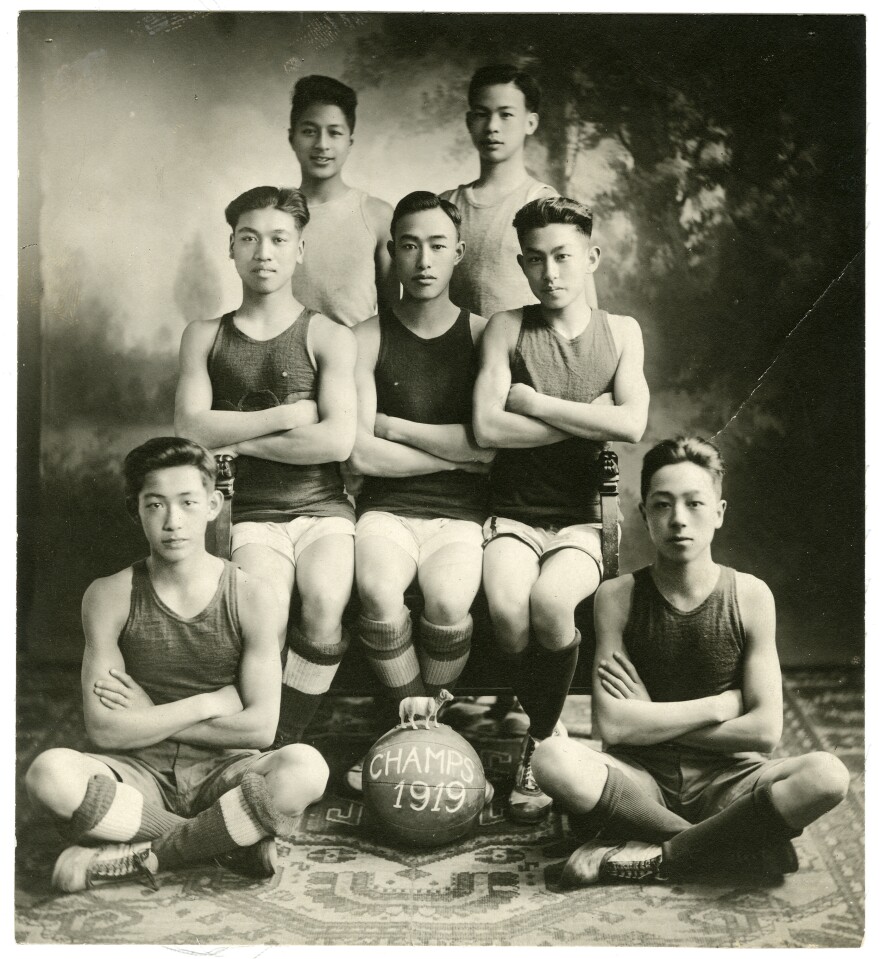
(634, 869)
(124, 864)
(527, 779)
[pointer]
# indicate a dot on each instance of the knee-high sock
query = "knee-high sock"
(389, 648)
(729, 838)
(542, 683)
(443, 652)
(115, 812)
(307, 674)
(240, 817)
(625, 812)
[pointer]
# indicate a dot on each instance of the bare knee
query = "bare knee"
(826, 777)
(297, 777)
(321, 613)
(447, 609)
(552, 618)
(563, 769)
(381, 600)
(57, 782)
(510, 621)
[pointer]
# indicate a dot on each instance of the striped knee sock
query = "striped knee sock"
(389, 648)
(240, 817)
(307, 674)
(115, 812)
(443, 652)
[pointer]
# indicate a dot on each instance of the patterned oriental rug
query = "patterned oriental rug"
(339, 885)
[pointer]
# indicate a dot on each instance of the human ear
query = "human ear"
(532, 121)
(231, 246)
(459, 251)
(722, 507)
(521, 261)
(593, 256)
(215, 504)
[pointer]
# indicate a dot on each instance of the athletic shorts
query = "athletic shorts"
(293, 538)
(694, 783)
(586, 537)
(419, 538)
(185, 779)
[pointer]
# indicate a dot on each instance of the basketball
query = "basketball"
(423, 787)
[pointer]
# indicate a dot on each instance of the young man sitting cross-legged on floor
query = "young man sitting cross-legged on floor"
(688, 693)
(181, 683)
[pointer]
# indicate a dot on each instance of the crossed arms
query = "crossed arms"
(390, 446)
(517, 417)
(732, 721)
(120, 715)
(302, 433)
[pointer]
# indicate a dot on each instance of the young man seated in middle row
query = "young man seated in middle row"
(424, 495)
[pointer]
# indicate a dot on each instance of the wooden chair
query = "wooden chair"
(481, 676)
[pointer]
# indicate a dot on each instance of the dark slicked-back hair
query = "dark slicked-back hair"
(496, 73)
(282, 198)
(160, 453)
(683, 449)
(421, 200)
(318, 89)
(553, 209)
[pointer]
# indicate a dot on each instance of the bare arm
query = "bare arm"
(495, 426)
(374, 455)
(387, 284)
(760, 726)
(623, 421)
(259, 678)
(637, 722)
(105, 610)
(193, 416)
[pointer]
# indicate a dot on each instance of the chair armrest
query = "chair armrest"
(218, 538)
(609, 500)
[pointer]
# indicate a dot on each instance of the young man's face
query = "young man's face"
(175, 508)
(321, 140)
(266, 247)
(556, 260)
(499, 122)
(425, 250)
(682, 510)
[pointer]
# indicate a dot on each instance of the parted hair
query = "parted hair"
(495, 73)
(553, 209)
(421, 200)
(683, 449)
(319, 89)
(286, 199)
(159, 453)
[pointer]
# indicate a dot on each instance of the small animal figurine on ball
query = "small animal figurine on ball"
(423, 786)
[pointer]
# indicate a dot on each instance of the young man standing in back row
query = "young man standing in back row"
(557, 381)
(346, 270)
(503, 104)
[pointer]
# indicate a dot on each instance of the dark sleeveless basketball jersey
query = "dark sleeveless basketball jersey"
(173, 657)
(685, 655)
(248, 374)
(556, 485)
(426, 381)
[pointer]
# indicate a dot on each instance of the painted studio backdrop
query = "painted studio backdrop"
(724, 161)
